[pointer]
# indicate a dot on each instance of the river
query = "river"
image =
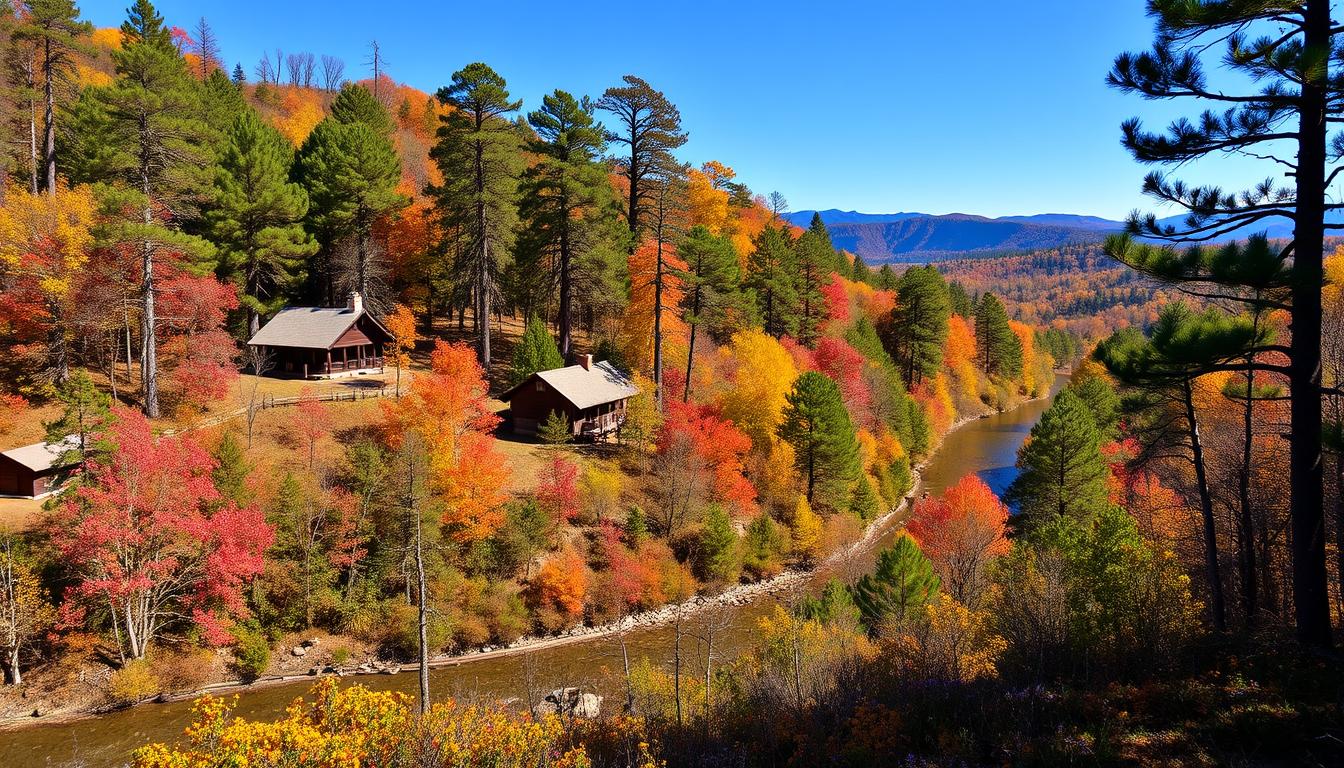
(987, 447)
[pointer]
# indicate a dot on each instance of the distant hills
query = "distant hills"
(906, 237)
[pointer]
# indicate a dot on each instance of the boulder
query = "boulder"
(298, 650)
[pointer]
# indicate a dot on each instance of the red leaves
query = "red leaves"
(837, 299)
(558, 492)
(961, 531)
(722, 446)
(838, 360)
(148, 533)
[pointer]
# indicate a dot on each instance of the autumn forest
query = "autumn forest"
(497, 432)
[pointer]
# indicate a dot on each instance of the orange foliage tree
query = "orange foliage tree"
(447, 409)
(961, 531)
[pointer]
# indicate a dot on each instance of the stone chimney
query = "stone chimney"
(355, 303)
(586, 361)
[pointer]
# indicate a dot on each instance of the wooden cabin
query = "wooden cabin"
(323, 342)
(591, 396)
(34, 471)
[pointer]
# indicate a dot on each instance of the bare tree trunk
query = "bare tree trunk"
(1217, 605)
(49, 118)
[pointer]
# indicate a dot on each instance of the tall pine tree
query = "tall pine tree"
(826, 452)
(915, 330)
(770, 274)
(256, 217)
(478, 153)
(1000, 349)
(1062, 470)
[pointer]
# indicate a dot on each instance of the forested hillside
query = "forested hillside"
(786, 396)
(1160, 584)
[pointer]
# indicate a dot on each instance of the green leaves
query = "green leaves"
(1063, 471)
(535, 352)
(902, 583)
(916, 329)
(826, 453)
(999, 348)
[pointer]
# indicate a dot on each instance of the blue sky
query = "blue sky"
(972, 106)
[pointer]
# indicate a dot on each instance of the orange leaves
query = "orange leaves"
(636, 336)
(300, 110)
(446, 408)
(722, 446)
(961, 532)
(561, 585)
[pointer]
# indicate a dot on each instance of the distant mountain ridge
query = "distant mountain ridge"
(885, 237)
(911, 237)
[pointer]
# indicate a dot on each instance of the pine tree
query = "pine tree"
(959, 300)
(710, 283)
(770, 275)
(859, 272)
(477, 152)
(535, 352)
(351, 170)
(231, 470)
(863, 501)
(554, 429)
(886, 278)
(1000, 349)
(650, 128)
(256, 217)
(1063, 473)
(53, 29)
(813, 259)
(636, 528)
(826, 453)
(763, 547)
(718, 546)
(902, 583)
(570, 243)
(145, 130)
(85, 414)
(1281, 117)
(915, 330)
(1101, 401)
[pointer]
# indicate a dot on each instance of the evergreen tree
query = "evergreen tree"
(636, 528)
(863, 501)
(53, 29)
(763, 546)
(859, 272)
(477, 152)
(915, 330)
(900, 585)
(145, 131)
(718, 546)
(351, 170)
(886, 278)
(650, 129)
(570, 243)
(231, 470)
(834, 262)
(812, 263)
(85, 413)
(826, 452)
(959, 300)
(256, 217)
(1063, 473)
(535, 352)
(770, 273)
(239, 76)
(554, 429)
(711, 283)
(1279, 116)
(1101, 401)
(835, 605)
(1000, 349)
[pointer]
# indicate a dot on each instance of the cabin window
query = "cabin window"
(541, 386)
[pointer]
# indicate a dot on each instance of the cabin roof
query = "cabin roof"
(40, 457)
(309, 327)
(584, 387)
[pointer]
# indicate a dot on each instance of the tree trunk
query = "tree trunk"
(566, 289)
(1217, 605)
(690, 346)
(1246, 532)
(658, 325)
(1306, 473)
(422, 615)
(49, 118)
(149, 355)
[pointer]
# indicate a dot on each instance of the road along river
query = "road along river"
(987, 447)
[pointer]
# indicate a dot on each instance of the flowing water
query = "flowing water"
(986, 447)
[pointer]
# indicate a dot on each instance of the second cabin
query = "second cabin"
(591, 396)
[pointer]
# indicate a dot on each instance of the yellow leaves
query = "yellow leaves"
(956, 644)
(353, 727)
(300, 112)
(107, 38)
(806, 529)
(47, 237)
(761, 373)
(708, 202)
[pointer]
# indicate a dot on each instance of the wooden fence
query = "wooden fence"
(330, 396)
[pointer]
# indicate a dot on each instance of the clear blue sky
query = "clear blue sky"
(974, 106)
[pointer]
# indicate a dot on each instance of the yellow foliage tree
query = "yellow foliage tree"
(806, 530)
(760, 372)
(400, 322)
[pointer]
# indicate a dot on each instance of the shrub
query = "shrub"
(554, 430)
(131, 684)
(251, 653)
(763, 548)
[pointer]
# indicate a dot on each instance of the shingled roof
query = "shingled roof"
(584, 387)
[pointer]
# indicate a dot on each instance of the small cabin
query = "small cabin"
(323, 342)
(34, 471)
(591, 396)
